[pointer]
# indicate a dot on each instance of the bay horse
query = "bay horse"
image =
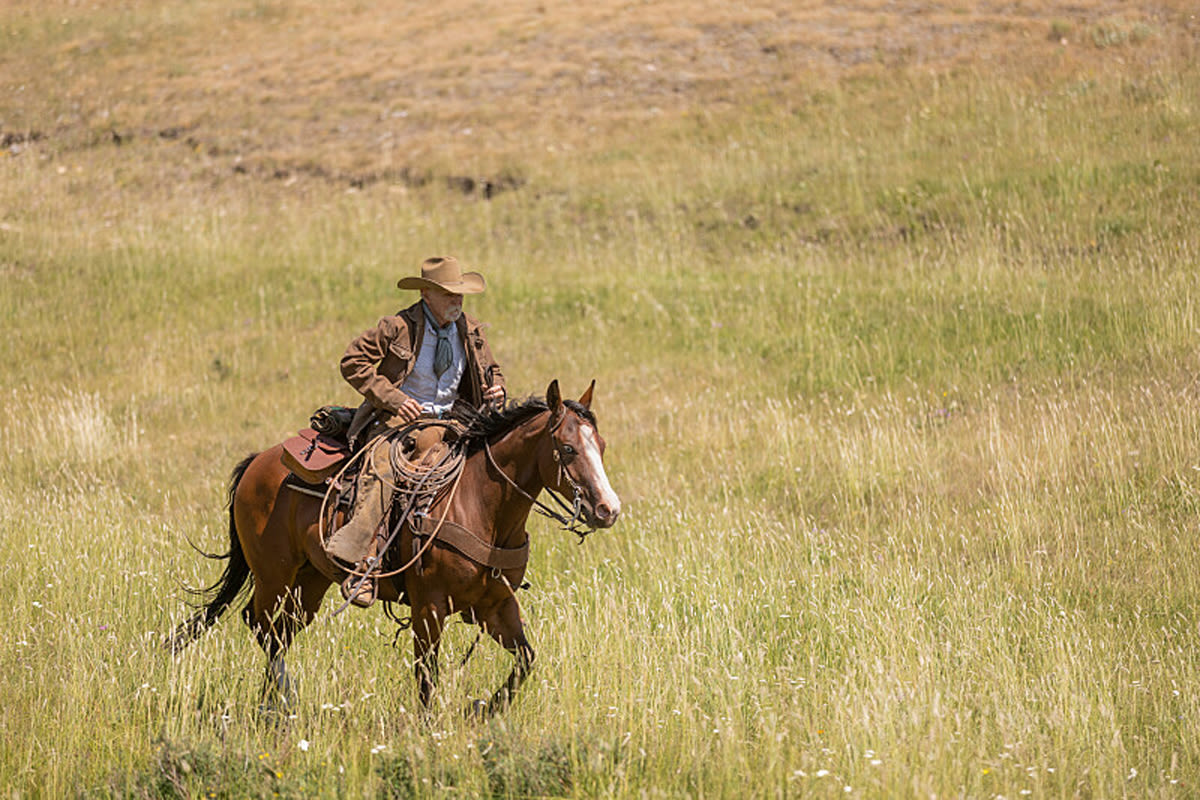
(512, 454)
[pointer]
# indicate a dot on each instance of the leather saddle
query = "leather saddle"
(313, 457)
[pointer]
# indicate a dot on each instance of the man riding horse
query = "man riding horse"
(414, 364)
(457, 513)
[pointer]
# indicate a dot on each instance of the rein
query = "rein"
(449, 471)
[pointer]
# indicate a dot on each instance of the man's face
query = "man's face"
(446, 306)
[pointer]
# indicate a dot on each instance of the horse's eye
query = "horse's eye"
(568, 450)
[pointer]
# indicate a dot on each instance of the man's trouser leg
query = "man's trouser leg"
(354, 542)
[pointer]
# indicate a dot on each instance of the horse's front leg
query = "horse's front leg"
(505, 626)
(428, 621)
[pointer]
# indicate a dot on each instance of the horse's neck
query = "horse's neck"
(503, 509)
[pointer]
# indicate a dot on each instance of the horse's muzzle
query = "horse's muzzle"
(603, 515)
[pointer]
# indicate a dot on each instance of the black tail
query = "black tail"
(227, 588)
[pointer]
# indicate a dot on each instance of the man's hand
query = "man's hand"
(493, 394)
(409, 411)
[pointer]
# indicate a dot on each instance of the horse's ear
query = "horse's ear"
(553, 396)
(585, 399)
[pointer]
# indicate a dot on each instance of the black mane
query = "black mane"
(483, 424)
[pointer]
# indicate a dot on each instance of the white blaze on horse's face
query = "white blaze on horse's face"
(606, 506)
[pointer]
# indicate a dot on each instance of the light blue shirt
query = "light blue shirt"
(436, 395)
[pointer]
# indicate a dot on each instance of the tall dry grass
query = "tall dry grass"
(897, 374)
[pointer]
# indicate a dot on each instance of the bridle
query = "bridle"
(574, 522)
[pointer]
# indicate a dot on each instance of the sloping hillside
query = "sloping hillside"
(372, 90)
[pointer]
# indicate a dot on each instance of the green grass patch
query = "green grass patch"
(897, 379)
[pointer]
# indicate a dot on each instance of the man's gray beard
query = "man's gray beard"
(452, 314)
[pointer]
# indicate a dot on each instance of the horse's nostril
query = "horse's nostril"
(606, 514)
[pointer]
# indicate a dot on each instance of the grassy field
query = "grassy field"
(894, 319)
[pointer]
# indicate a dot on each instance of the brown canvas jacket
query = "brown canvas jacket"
(380, 359)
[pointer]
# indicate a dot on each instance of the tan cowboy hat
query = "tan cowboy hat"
(444, 272)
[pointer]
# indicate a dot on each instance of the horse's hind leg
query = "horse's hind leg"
(505, 626)
(276, 616)
(271, 631)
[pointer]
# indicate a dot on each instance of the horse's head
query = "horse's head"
(574, 459)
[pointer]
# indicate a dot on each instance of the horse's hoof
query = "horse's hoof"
(478, 710)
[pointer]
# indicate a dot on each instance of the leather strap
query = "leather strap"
(472, 546)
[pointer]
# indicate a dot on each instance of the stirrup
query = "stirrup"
(367, 592)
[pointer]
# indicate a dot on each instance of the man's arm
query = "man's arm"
(494, 389)
(359, 366)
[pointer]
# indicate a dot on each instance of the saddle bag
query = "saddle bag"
(313, 456)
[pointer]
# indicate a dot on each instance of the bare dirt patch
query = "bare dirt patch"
(353, 90)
